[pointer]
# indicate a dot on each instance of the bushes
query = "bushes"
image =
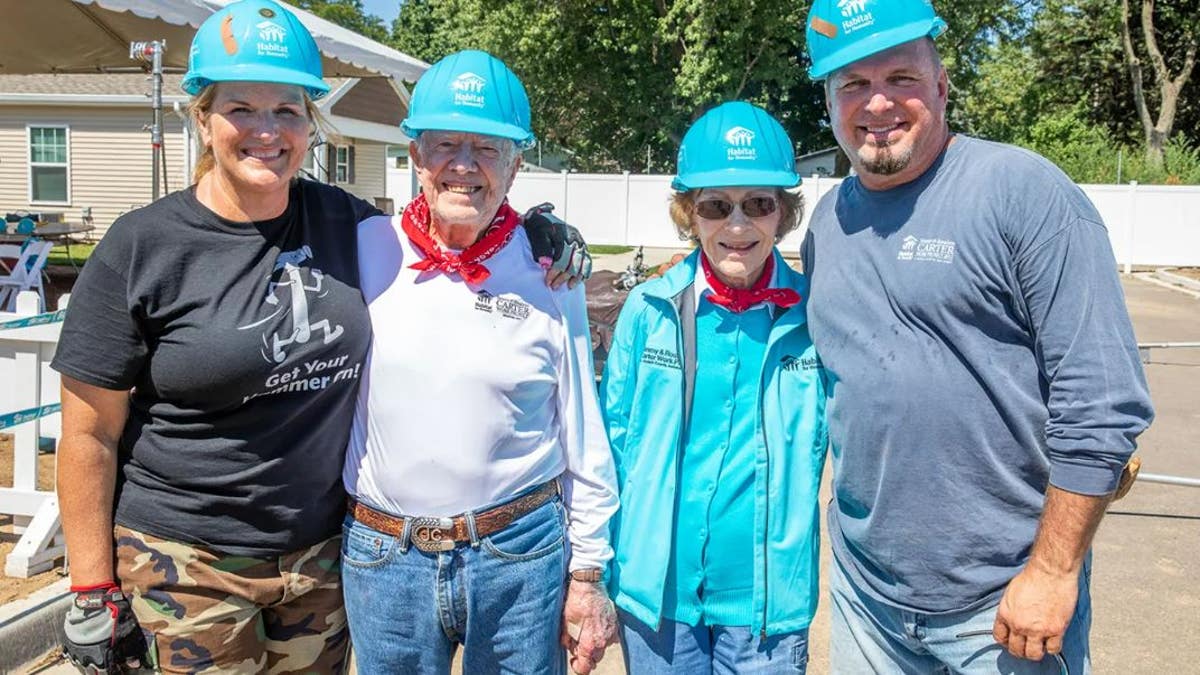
(1088, 155)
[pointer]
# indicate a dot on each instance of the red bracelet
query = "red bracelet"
(103, 586)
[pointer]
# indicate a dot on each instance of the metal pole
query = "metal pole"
(156, 131)
(152, 53)
(1169, 480)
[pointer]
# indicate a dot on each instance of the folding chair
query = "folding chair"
(26, 275)
(8, 252)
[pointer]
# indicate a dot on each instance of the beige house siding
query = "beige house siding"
(109, 163)
(370, 171)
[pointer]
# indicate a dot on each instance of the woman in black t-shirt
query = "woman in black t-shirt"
(209, 365)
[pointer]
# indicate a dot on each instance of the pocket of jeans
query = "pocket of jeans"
(530, 537)
(800, 657)
(363, 546)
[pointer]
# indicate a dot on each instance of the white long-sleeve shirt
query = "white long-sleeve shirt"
(473, 395)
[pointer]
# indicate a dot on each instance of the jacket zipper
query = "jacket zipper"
(766, 508)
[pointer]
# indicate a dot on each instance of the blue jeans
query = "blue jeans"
(677, 648)
(868, 636)
(500, 597)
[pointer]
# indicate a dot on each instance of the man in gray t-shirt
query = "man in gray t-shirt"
(985, 384)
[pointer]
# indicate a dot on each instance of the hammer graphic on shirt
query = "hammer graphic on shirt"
(292, 278)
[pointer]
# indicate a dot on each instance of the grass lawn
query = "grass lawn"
(608, 249)
(79, 252)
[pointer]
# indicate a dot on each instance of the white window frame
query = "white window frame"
(30, 164)
(341, 164)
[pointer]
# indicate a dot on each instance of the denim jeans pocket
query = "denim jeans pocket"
(532, 536)
(800, 657)
(363, 546)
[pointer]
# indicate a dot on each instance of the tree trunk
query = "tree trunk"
(1156, 132)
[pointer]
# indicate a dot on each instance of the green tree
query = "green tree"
(1171, 68)
(347, 14)
(617, 81)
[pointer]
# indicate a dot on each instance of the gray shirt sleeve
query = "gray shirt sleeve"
(1097, 397)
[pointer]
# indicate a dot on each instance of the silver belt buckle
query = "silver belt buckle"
(432, 534)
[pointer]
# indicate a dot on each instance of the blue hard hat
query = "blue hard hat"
(735, 144)
(254, 41)
(473, 92)
(840, 32)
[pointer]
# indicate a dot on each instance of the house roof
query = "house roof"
(356, 116)
(100, 84)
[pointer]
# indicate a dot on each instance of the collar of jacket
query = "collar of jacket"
(683, 275)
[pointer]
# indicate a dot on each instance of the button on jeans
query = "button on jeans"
(679, 649)
(499, 597)
(868, 636)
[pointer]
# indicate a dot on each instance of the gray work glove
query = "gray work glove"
(101, 633)
(557, 245)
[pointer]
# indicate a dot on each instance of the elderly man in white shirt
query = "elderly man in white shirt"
(478, 467)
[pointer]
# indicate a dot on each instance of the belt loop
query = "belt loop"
(469, 516)
(405, 535)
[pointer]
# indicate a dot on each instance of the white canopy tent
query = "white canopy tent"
(81, 36)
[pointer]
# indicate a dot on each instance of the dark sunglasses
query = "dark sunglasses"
(754, 207)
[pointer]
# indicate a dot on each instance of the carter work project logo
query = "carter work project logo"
(855, 15)
(926, 250)
(468, 90)
(741, 144)
(512, 308)
(272, 39)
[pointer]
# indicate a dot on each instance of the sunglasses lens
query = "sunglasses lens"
(757, 207)
(714, 209)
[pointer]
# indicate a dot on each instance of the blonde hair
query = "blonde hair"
(683, 213)
(200, 105)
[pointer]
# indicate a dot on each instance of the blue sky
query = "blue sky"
(385, 9)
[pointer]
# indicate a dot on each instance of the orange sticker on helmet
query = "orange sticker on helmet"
(823, 27)
(227, 39)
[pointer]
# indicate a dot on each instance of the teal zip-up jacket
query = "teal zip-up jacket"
(642, 394)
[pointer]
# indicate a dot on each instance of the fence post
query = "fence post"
(1129, 223)
(627, 238)
(566, 215)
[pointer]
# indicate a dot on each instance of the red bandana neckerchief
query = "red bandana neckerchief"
(738, 300)
(469, 263)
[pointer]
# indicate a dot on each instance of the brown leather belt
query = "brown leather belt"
(442, 534)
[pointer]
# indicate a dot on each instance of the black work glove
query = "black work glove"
(101, 633)
(557, 245)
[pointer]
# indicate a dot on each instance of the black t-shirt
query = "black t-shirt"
(243, 344)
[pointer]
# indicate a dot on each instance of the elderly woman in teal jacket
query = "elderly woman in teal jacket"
(714, 404)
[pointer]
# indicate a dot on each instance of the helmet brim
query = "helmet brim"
(199, 79)
(873, 44)
(413, 126)
(735, 178)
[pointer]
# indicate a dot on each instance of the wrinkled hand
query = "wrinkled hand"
(557, 247)
(589, 624)
(1035, 612)
(101, 633)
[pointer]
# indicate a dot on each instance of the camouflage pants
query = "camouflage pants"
(205, 612)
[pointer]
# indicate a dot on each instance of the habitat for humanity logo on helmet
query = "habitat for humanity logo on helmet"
(272, 39)
(855, 15)
(468, 90)
(741, 144)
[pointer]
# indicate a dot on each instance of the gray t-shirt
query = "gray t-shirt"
(974, 331)
(243, 345)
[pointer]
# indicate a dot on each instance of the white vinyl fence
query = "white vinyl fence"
(1149, 225)
(29, 404)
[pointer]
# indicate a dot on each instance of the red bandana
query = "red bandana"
(415, 222)
(738, 300)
